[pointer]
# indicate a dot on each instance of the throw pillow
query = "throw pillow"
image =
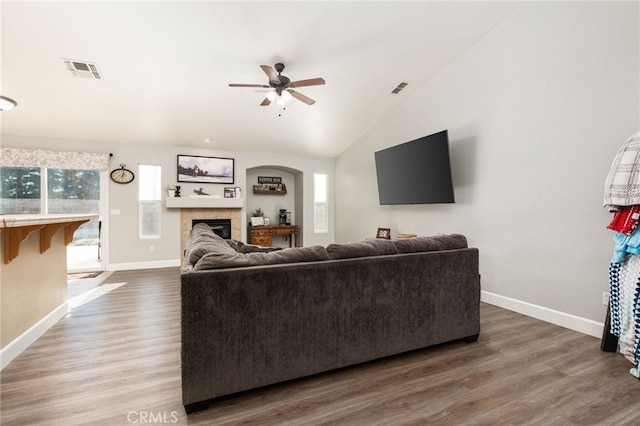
(219, 260)
(203, 242)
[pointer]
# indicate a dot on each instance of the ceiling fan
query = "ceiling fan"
(283, 86)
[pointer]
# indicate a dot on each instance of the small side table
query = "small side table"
(263, 235)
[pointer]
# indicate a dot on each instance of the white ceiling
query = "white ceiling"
(166, 67)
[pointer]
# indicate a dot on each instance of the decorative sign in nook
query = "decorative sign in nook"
(269, 180)
(270, 185)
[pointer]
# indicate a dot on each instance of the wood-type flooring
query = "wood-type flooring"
(115, 360)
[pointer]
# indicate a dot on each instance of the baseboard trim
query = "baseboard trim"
(572, 322)
(143, 265)
(22, 342)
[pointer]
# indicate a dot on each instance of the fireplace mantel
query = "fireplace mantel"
(203, 203)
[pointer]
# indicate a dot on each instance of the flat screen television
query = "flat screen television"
(415, 172)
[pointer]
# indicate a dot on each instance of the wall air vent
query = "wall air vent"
(399, 88)
(82, 69)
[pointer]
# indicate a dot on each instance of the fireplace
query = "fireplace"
(222, 227)
(189, 215)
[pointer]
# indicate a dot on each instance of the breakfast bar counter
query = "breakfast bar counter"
(33, 276)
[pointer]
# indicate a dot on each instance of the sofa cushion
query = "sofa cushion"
(251, 248)
(202, 241)
(198, 229)
(432, 243)
(234, 244)
(220, 260)
(241, 247)
(361, 248)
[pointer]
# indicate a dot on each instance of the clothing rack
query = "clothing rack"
(622, 197)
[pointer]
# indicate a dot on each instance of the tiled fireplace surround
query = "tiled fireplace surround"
(188, 214)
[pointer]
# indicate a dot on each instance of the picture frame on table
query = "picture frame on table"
(384, 233)
(257, 221)
(200, 169)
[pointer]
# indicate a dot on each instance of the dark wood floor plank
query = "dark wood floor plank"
(117, 357)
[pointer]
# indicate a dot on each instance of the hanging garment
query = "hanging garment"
(625, 220)
(622, 187)
(625, 245)
(624, 285)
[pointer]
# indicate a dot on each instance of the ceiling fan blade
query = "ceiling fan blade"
(249, 85)
(271, 73)
(265, 102)
(309, 82)
(299, 96)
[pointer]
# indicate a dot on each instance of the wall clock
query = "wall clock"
(122, 175)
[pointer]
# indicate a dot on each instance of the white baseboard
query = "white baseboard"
(22, 342)
(572, 322)
(143, 265)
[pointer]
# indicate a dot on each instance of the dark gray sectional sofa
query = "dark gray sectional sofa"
(253, 317)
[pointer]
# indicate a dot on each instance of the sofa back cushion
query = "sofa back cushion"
(203, 240)
(221, 260)
(432, 243)
(241, 247)
(361, 248)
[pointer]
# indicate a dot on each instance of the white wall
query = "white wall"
(536, 110)
(123, 249)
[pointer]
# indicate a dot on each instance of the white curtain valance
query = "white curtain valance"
(17, 157)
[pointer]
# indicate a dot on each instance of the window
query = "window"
(20, 190)
(149, 201)
(34, 190)
(76, 192)
(39, 181)
(320, 210)
(73, 191)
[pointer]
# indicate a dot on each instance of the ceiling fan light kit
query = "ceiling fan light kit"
(7, 103)
(283, 86)
(283, 98)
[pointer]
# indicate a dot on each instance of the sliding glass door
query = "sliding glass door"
(77, 192)
(33, 190)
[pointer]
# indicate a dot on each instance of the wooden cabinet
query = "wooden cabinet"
(263, 235)
(262, 240)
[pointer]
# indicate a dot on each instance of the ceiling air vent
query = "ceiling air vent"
(399, 88)
(82, 69)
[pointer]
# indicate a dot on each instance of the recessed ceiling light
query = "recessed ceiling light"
(208, 140)
(7, 103)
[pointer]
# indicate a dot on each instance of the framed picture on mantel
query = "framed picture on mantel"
(193, 168)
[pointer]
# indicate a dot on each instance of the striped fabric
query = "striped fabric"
(622, 187)
(624, 284)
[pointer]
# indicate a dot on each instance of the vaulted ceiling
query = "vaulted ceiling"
(166, 67)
